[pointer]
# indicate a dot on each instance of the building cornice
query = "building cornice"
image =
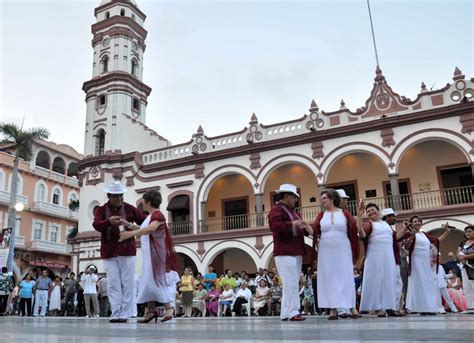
(116, 76)
(125, 3)
(119, 20)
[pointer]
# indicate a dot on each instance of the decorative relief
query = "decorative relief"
(201, 250)
(317, 148)
(467, 122)
(199, 171)
(259, 243)
(255, 161)
(199, 145)
(117, 174)
(130, 181)
(254, 134)
(314, 122)
(94, 173)
(387, 138)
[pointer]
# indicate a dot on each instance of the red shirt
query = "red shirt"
(287, 239)
(110, 234)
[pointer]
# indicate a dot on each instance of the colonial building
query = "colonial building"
(47, 186)
(415, 155)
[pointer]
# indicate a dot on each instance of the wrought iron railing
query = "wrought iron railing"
(181, 228)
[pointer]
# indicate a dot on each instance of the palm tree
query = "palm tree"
(23, 142)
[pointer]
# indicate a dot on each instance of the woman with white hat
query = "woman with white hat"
(119, 257)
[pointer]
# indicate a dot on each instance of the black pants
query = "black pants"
(70, 304)
(238, 305)
(25, 302)
(3, 303)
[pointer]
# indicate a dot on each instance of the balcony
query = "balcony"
(56, 176)
(19, 241)
(405, 203)
(55, 210)
(49, 246)
(5, 198)
(181, 228)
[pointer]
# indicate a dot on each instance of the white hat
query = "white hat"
(115, 187)
(387, 212)
(342, 194)
(288, 188)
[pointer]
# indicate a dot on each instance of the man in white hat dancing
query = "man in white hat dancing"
(119, 257)
(288, 248)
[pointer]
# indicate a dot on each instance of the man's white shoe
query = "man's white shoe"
(97, 316)
(87, 316)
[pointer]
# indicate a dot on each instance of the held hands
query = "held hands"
(307, 227)
(361, 208)
(126, 235)
(446, 227)
(115, 220)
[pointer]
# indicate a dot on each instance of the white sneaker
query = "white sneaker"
(97, 316)
(87, 316)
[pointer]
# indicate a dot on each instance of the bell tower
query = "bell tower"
(116, 96)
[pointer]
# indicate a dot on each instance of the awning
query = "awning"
(180, 202)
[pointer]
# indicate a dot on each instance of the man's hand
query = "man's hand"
(308, 228)
(125, 235)
(115, 220)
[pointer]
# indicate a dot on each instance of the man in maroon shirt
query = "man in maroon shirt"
(288, 248)
(119, 257)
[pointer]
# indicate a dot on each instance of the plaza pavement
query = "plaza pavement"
(447, 328)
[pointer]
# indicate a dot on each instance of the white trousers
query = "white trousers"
(289, 268)
(41, 300)
(120, 286)
(468, 289)
(398, 288)
(444, 293)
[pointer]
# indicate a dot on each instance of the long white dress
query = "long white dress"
(378, 285)
(55, 298)
(148, 290)
(336, 287)
(421, 293)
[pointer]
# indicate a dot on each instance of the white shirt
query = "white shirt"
(246, 293)
(89, 283)
(227, 295)
(172, 278)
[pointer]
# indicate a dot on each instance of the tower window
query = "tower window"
(102, 100)
(105, 64)
(136, 104)
(134, 67)
(133, 16)
(107, 15)
(99, 142)
(122, 12)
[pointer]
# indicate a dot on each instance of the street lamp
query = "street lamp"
(18, 208)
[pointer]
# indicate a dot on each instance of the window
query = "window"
(122, 12)
(37, 231)
(235, 213)
(105, 64)
(134, 68)
(41, 193)
(56, 196)
(99, 142)
(107, 15)
(54, 233)
(102, 100)
(2, 180)
(136, 104)
(133, 16)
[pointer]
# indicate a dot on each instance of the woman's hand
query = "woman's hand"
(361, 208)
(125, 235)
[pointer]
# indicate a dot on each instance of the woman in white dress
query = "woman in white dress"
(55, 297)
(380, 241)
(261, 296)
(338, 250)
(422, 289)
(158, 256)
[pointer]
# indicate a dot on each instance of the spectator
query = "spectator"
(238, 278)
(187, 287)
(275, 293)
(275, 272)
(453, 263)
(89, 282)
(15, 297)
(466, 256)
(55, 297)
(212, 301)
(199, 300)
(43, 286)
(6, 284)
(442, 284)
(71, 287)
(104, 304)
(262, 275)
(306, 293)
(26, 293)
(198, 280)
(455, 290)
(226, 299)
(243, 296)
(228, 279)
(209, 278)
(81, 311)
(172, 281)
(261, 296)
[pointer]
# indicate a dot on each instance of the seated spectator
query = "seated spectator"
(198, 280)
(261, 297)
(226, 299)
(199, 301)
(250, 283)
(238, 279)
(243, 296)
(212, 301)
(275, 272)
(178, 305)
(455, 291)
(228, 279)
(274, 303)
(262, 275)
(306, 293)
(452, 263)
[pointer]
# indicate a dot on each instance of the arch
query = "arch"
(350, 148)
(72, 169)
(93, 205)
(462, 143)
(59, 166)
(41, 191)
(268, 168)
(19, 188)
(219, 172)
(267, 253)
(190, 253)
(57, 195)
(105, 63)
(2, 179)
(43, 159)
(220, 247)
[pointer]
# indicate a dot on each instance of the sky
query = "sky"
(214, 63)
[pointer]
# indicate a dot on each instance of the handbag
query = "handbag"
(469, 272)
